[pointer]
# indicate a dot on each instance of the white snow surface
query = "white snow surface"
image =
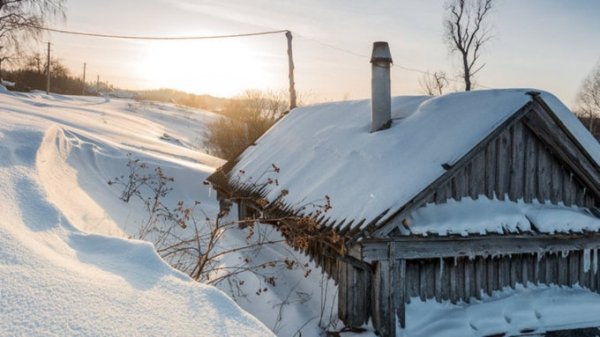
(535, 309)
(327, 149)
(484, 216)
(60, 272)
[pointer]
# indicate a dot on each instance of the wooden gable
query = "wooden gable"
(531, 157)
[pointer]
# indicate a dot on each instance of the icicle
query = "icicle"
(565, 253)
(210, 191)
(455, 261)
(586, 260)
(441, 267)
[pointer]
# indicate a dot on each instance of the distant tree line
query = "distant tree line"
(32, 74)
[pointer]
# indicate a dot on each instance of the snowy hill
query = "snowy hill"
(61, 273)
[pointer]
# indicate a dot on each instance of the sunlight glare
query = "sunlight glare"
(221, 68)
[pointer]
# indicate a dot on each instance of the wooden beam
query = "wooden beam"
(436, 247)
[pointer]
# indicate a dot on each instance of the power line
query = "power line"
(170, 38)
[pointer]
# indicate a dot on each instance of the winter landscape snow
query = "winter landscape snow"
(70, 263)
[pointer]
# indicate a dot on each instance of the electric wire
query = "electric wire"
(208, 37)
(164, 38)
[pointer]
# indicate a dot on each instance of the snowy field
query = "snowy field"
(60, 274)
(70, 264)
(69, 261)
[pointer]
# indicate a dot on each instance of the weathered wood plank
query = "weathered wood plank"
(454, 295)
(492, 275)
(544, 173)
(342, 291)
(401, 289)
(552, 131)
(530, 189)
(539, 270)
(435, 247)
(517, 167)
(583, 275)
(423, 280)
(477, 176)
(574, 260)
(503, 164)
(438, 265)
(563, 269)
(515, 269)
(412, 277)
(480, 276)
(446, 279)
(490, 169)
(556, 185)
(504, 272)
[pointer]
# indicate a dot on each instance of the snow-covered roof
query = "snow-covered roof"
(327, 150)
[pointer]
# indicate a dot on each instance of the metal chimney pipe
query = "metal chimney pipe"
(381, 95)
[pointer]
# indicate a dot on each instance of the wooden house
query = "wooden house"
(448, 198)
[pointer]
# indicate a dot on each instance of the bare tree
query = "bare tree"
(22, 19)
(467, 30)
(434, 83)
(245, 118)
(588, 99)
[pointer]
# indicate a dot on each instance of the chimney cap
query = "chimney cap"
(381, 52)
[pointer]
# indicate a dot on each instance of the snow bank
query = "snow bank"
(535, 309)
(59, 280)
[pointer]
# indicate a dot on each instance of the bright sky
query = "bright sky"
(544, 44)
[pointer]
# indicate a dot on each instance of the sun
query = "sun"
(217, 67)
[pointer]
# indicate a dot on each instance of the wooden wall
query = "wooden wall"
(516, 165)
(458, 279)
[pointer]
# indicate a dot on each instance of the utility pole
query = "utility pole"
(48, 71)
(288, 35)
(83, 89)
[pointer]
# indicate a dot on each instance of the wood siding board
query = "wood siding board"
(557, 182)
(503, 164)
(492, 275)
(543, 174)
(529, 192)
(446, 279)
(567, 148)
(401, 302)
(423, 280)
(480, 276)
(342, 291)
(538, 272)
(504, 272)
(490, 169)
(437, 272)
(563, 269)
(583, 278)
(574, 261)
(453, 282)
(517, 167)
(515, 269)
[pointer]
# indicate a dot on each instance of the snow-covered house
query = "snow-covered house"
(447, 198)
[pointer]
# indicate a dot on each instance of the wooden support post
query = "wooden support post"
(288, 35)
(400, 286)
